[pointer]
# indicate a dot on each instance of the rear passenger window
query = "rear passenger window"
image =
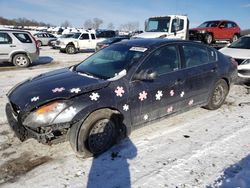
(92, 36)
(84, 36)
(5, 38)
(23, 37)
(195, 55)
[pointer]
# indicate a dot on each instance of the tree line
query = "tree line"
(22, 22)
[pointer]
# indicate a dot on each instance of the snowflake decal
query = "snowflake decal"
(55, 90)
(171, 93)
(143, 95)
(94, 96)
(70, 111)
(34, 99)
(75, 90)
(119, 91)
(145, 117)
(170, 109)
(125, 107)
(182, 94)
(191, 102)
(158, 95)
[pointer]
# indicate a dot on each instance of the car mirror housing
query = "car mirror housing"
(146, 75)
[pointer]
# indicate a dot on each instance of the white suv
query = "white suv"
(18, 47)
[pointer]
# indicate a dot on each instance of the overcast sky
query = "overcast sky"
(122, 11)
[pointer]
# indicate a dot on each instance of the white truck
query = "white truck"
(171, 26)
(79, 41)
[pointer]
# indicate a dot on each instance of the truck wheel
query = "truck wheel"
(218, 95)
(95, 135)
(70, 49)
(21, 60)
(209, 39)
(235, 37)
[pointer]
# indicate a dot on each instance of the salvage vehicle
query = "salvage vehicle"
(118, 89)
(79, 41)
(43, 38)
(18, 47)
(213, 31)
(239, 50)
(110, 41)
(170, 26)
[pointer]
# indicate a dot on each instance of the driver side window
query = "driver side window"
(162, 60)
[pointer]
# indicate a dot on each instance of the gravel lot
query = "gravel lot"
(198, 148)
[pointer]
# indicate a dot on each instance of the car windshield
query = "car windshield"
(242, 43)
(109, 62)
(209, 24)
(158, 24)
(76, 35)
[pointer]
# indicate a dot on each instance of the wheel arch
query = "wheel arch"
(18, 52)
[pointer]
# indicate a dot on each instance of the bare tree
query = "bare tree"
(130, 26)
(88, 24)
(97, 22)
(110, 26)
(66, 24)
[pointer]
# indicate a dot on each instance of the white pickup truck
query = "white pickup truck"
(171, 26)
(79, 41)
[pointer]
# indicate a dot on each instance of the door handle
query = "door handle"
(12, 46)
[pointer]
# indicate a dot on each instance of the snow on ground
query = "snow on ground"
(198, 148)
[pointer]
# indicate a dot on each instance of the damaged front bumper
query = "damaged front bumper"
(46, 135)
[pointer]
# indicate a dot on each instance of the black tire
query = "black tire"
(70, 49)
(235, 37)
(21, 60)
(95, 135)
(39, 43)
(209, 39)
(218, 95)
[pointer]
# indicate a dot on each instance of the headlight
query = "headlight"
(202, 31)
(45, 115)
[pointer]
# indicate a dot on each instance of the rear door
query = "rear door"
(200, 72)
(24, 42)
(162, 96)
(6, 46)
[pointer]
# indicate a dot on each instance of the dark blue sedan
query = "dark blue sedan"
(118, 89)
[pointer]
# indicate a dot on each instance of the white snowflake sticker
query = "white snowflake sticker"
(191, 102)
(75, 90)
(158, 95)
(171, 93)
(34, 99)
(70, 111)
(145, 117)
(94, 96)
(182, 94)
(125, 107)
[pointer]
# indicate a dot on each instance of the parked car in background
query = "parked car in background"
(79, 41)
(239, 50)
(55, 43)
(116, 90)
(214, 31)
(244, 71)
(110, 41)
(43, 39)
(105, 34)
(18, 47)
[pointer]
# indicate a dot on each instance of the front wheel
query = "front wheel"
(70, 49)
(95, 135)
(218, 95)
(21, 60)
(209, 39)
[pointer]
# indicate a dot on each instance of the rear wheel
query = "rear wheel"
(21, 60)
(209, 39)
(70, 49)
(218, 95)
(95, 135)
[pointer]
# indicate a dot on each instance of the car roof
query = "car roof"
(150, 43)
(14, 30)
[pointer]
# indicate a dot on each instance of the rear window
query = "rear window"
(23, 37)
(5, 38)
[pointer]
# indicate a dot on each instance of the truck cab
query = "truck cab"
(171, 26)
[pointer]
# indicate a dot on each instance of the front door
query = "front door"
(152, 99)
(85, 41)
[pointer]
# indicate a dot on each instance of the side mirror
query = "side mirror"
(146, 75)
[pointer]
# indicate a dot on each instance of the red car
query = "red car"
(218, 30)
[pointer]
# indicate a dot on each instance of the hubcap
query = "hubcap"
(235, 38)
(101, 136)
(209, 39)
(71, 50)
(218, 96)
(21, 61)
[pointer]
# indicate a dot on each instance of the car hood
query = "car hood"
(150, 35)
(236, 53)
(59, 84)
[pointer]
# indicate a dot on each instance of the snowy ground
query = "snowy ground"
(199, 148)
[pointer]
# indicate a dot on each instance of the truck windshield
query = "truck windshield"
(76, 35)
(109, 62)
(160, 24)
